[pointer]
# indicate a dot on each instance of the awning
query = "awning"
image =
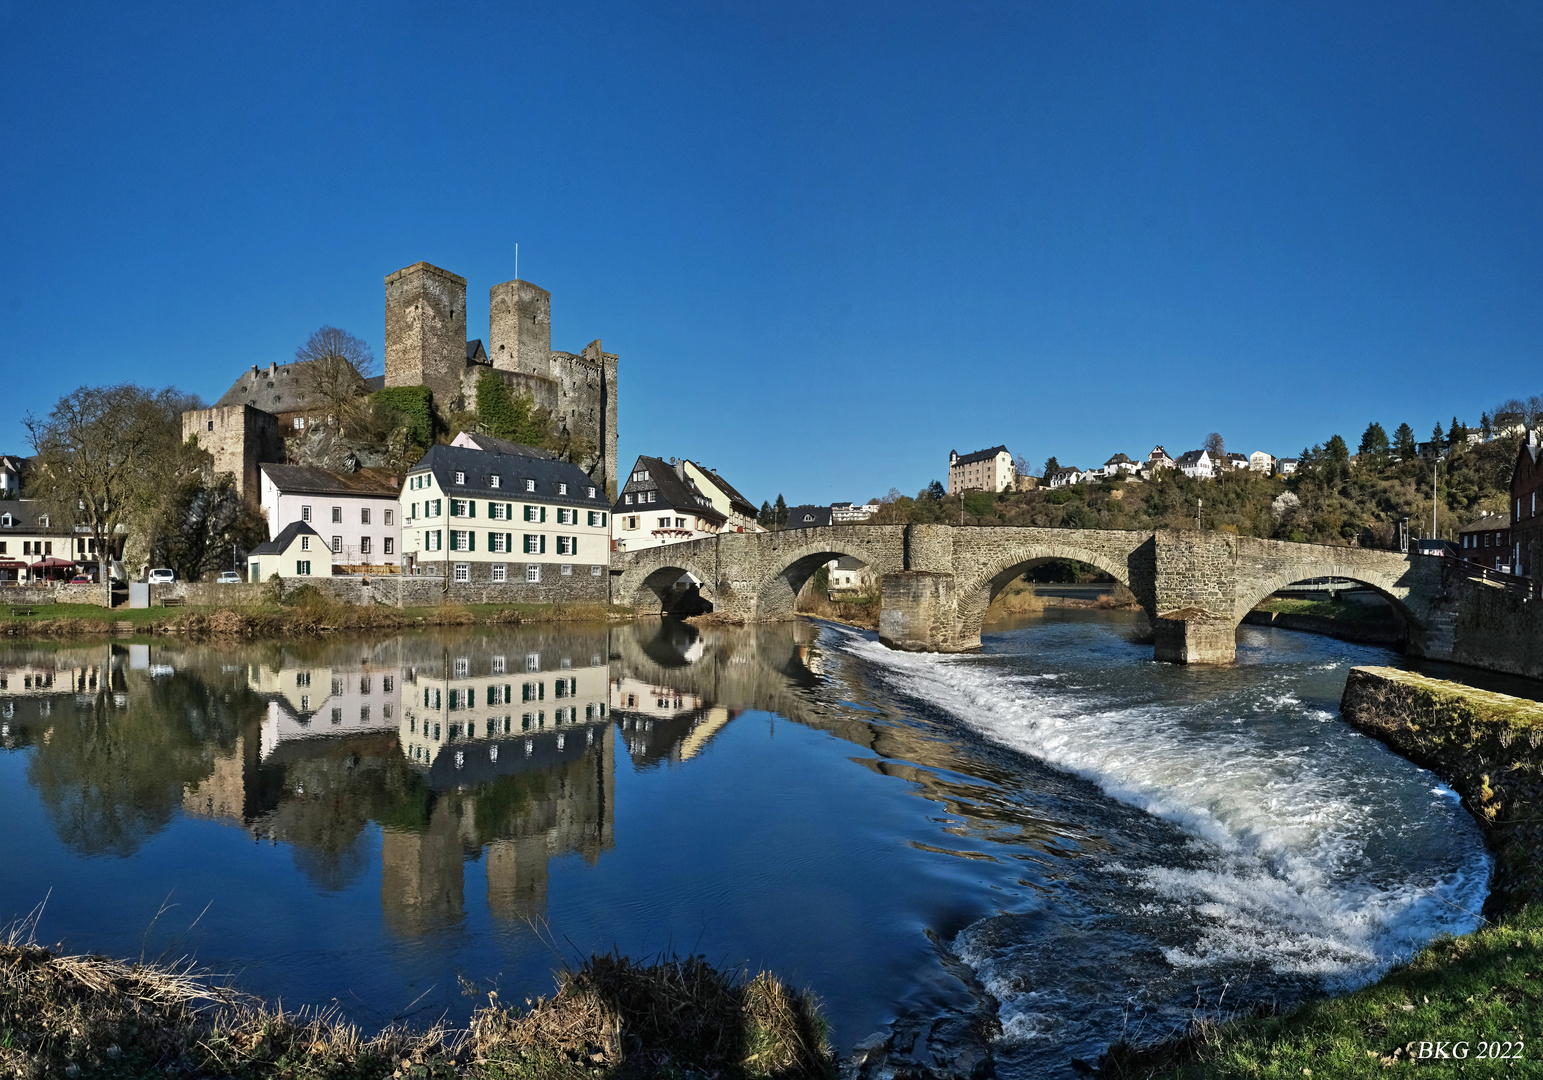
(53, 562)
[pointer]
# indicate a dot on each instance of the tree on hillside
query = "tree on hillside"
(1486, 427)
(1403, 442)
(1438, 439)
(935, 491)
(1457, 434)
(1052, 466)
(1022, 467)
(1374, 445)
(780, 511)
(766, 519)
(104, 456)
(1215, 446)
(336, 365)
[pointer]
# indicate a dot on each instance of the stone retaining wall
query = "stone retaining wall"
(398, 590)
(1497, 629)
(55, 594)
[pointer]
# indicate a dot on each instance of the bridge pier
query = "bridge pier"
(919, 612)
(1192, 636)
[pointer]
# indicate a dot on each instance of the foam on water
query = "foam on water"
(1314, 853)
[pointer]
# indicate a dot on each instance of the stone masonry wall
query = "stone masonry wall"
(1497, 629)
(426, 330)
(35, 595)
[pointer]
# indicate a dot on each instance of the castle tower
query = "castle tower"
(240, 438)
(426, 330)
(520, 328)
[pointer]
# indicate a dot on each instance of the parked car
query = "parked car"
(228, 577)
(80, 579)
(162, 577)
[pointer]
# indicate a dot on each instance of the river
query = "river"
(1057, 832)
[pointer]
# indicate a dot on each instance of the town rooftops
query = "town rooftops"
(478, 468)
(280, 543)
(277, 388)
(675, 490)
(847, 562)
(978, 455)
(738, 501)
(1119, 459)
(1190, 457)
(1492, 523)
(808, 517)
(309, 480)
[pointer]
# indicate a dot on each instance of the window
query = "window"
(567, 545)
(460, 478)
(532, 573)
(305, 513)
(566, 516)
(433, 508)
(302, 678)
(597, 517)
(388, 542)
(567, 570)
(461, 540)
(500, 574)
(664, 523)
(530, 485)
(594, 571)
(533, 661)
(337, 545)
(534, 544)
(591, 492)
(305, 543)
(632, 523)
(337, 515)
(461, 667)
(626, 500)
(364, 515)
(364, 545)
(387, 683)
(680, 523)
(498, 543)
(652, 495)
(337, 716)
(458, 508)
(562, 489)
(462, 571)
(535, 513)
(305, 701)
(303, 567)
(495, 481)
(211, 425)
(388, 516)
(433, 540)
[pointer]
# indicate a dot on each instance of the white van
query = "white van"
(162, 577)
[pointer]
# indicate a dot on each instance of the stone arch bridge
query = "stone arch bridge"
(938, 580)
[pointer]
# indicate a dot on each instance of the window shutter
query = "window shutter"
(543, 544)
(602, 519)
(490, 697)
(508, 541)
(471, 540)
(543, 514)
(508, 511)
(471, 507)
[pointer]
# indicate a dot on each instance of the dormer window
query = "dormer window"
(43, 521)
(6, 521)
(562, 489)
(530, 485)
(494, 480)
(591, 493)
(626, 500)
(460, 478)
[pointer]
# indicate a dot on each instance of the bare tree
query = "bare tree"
(1022, 467)
(1215, 446)
(336, 365)
(104, 455)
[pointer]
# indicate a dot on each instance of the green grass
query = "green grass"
(1338, 610)
(1485, 987)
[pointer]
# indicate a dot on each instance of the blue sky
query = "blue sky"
(829, 241)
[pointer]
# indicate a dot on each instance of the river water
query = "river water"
(1056, 830)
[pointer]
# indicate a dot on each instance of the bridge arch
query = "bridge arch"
(791, 566)
(652, 589)
(976, 593)
(1252, 592)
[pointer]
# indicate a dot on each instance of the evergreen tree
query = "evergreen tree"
(1438, 439)
(1374, 446)
(780, 511)
(935, 491)
(1403, 442)
(765, 518)
(1050, 468)
(1486, 427)
(1457, 434)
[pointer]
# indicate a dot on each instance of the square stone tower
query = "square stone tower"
(240, 438)
(426, 330)
(520, 328)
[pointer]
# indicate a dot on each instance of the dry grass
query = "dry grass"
(89, 1016)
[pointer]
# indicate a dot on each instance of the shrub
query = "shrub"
(980, 503)
(410, 408)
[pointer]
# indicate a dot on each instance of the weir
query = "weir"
(939, 580)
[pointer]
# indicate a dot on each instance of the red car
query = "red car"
(81, 579)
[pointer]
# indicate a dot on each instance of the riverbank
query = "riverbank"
(299, 615)
(87, 1016)
(1482, 992)
(1348, 622)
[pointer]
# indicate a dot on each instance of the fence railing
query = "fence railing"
(1455, 569)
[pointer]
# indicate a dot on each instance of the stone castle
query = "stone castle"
(426, 345)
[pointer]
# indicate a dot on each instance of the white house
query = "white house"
(1233, 461)
(357, 513)
(1286, 465)
(1069, 475)
(845, 513)
(495, 517)
(984, 470)
(1261, 462)
(1120, 465)
(661, 504)
(1196, 464)
(1157, 459)
(10, 476)
(297, 552)
(738, 511)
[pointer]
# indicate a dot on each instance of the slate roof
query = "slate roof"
(504, 446)
(979, 455)
(1189, 457)
(675, 491)
(513, 470)
(1119, 459)
(475, 353)
(808, 517)
(847, 562)
(310, 480)
(738, 501)
(278, 388)
(280, 543)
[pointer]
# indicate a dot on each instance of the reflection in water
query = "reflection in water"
(901, 843)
